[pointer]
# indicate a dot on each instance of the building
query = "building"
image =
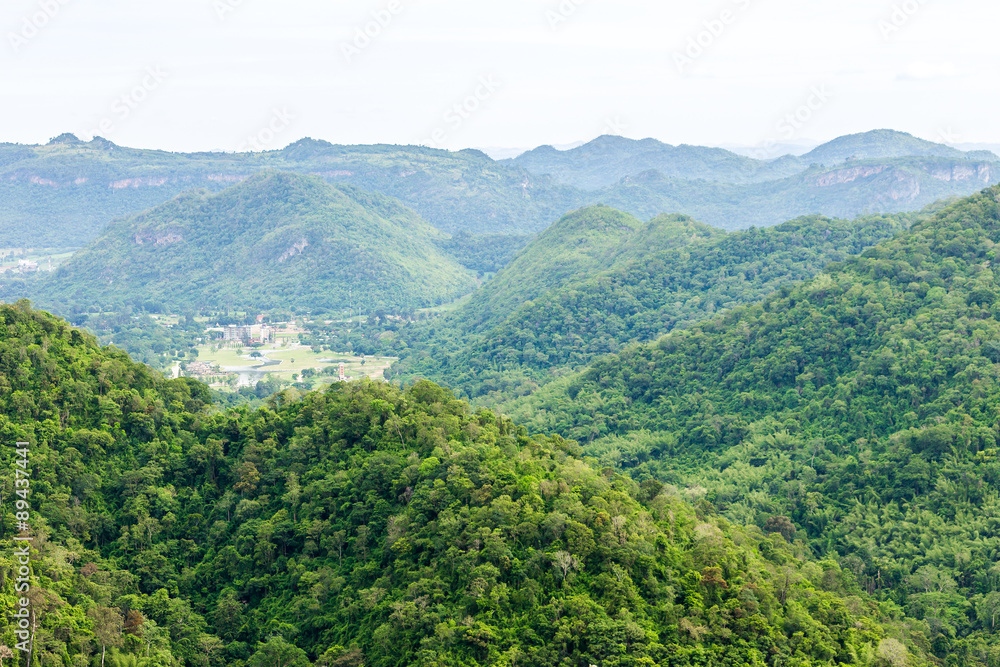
(26, 266)
(200, 369)
(247, 335)
(343, 372)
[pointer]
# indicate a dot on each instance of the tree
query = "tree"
(249, 478)
(988, 608)
(781, 525)
(893, 652)
(278, 653)
(5, 652)
(209, 645)
(564, 562)
(293, 495)
(108, 627)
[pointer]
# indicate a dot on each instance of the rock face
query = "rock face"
(157, 239)
(296, 249)
(984, 173)
(138, 183)
(849, 175)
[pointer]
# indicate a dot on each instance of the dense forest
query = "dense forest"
(378, 526)
(860, 407)
(275, 241)
(599, 280)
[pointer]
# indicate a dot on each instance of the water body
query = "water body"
(251, 375)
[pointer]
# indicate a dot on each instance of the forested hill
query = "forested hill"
(375, 526)
(64, 193)
(277, 240)
(646, 281)
(863, 405)
(583, 242)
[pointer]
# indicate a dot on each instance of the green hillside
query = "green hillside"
(274, 241)
(860, 407)
(671, 272)
(63, 193)
(373, 526)
(582, 242)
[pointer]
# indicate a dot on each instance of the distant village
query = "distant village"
(25, 266)
(237, 336)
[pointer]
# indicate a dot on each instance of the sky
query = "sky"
(189, 75)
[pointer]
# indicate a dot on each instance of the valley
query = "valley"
(284, 364)
(773, 445)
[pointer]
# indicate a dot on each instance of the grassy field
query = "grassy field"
(294, 360)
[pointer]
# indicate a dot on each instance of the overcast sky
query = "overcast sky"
(219, 74)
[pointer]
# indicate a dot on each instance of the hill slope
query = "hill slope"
(861, 406)
(275, 240)
(582, 242)
(62, 194)
(371, 526)
(671, 272)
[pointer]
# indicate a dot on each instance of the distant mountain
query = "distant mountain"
(884, 144)
(608, 159)
(531, 326)
(62, 194)
(845, 191)
(277, 240)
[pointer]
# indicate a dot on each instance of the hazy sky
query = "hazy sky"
(224, 74)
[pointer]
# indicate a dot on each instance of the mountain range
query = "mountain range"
(773, 446)
(62, 194)
(608, 160)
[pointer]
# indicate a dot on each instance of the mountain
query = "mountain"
(668, 273)
(607, 160)
(860, 407)
(580, 243)
(846, 191)
(276, 240)
(885, 144)
(372, 526)
(62, 194)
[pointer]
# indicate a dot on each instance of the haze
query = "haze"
(258, 74)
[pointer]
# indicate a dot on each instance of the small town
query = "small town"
(234, 357)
